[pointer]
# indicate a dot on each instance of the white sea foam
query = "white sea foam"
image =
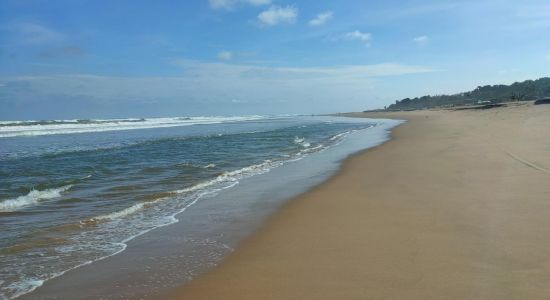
(227, 177)
(198, 191)
(337, 136)
(32, 198)
(233, 175)
(298, 140)
(302, 142)
(122, 213)
(313, 149)
(29, 285)
(35, 128)
(23, 287)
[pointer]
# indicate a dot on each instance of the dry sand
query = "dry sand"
(456, 206)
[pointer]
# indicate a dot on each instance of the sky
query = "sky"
(115, 59)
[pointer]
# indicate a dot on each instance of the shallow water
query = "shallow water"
(68, 199)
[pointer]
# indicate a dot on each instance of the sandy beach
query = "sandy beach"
(455, 206)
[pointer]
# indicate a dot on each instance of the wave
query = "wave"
(33, 197)
(75, 121)
(302, 142)
(223, 181)
(232, 177)
(319, 147)
(122, 213)
(105, 232)
(37, 128)
(340, 135)
(30, 284)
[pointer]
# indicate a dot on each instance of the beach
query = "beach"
(455, 206)
(135, 208)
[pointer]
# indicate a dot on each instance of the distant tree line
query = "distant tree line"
(518, 91)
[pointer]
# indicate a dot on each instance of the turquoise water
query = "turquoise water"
(76, 191)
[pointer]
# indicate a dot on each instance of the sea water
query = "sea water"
(73, 192)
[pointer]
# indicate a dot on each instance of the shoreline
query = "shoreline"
(442, 210)
(207, 232)
(182, 293)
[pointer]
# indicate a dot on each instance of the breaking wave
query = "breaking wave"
(32, 198)
(227, 177)
(302, 142)
(36, 128)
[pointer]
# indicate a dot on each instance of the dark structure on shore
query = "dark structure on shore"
(518, 91)
(543, 101)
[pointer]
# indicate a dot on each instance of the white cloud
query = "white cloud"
(210, 88)
(194, 68)
(229, 4)
(203, 77)
(421, 39)
(364, 37)
(321, 19)
(225, 55)
(277, 14)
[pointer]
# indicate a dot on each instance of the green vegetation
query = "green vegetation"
(518, 91)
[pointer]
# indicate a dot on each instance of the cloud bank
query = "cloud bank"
(203, 88)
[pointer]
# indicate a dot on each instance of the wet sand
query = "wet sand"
(455, 206)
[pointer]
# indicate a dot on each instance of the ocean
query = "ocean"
(74, 192)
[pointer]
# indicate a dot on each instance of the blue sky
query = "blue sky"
(100, 59)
